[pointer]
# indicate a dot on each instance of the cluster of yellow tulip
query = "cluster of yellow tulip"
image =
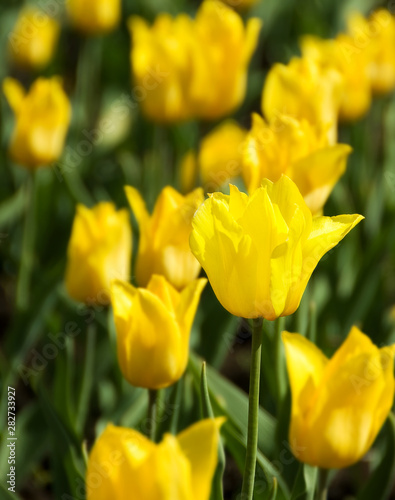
(258, 250)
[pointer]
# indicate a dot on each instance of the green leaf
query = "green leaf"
(381, 481)
(207, 411)
(304, 487)
(233, 402)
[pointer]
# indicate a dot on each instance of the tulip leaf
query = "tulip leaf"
(233, 402)
(305, 483)
(380, 483)
(6, 495)
(87, 379)
(207, 411)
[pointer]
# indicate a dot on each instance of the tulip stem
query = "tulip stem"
(278, 360)
(152, 413)
(322, 491)
(253, 411)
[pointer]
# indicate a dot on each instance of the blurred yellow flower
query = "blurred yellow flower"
(99, 251)
(125, 465)
(220, 155)
(164, 236)
(259, 251)
(353, 66)
(338, 405)
(375, 37)
(188, 171)
(153, 327)
(42, 119)
(94, 16)
(33, 39)
(305, 91)
(177, 78)
(298, 150)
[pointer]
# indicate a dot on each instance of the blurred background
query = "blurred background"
(63, 400)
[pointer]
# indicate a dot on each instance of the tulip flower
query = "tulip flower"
(153, 328)
(260, 251)
(220, 155)
(125, 465)
(164, 236)
(42, 119)
(353, 67)
(375, 37)
(188, 171)
(304, 90)
(33, 40)
(99, 251)
(340, 404)
(177, 78)
(298, 150)
(94, 16)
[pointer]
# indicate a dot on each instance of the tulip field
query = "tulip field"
(197, 250)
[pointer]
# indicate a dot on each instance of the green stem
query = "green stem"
(152, 413)
(253, 411)
(322, 490)
(27, 254)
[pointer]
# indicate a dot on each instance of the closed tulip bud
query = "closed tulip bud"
(99, 251)
(375, 37)
(33, 40)
(177, 78)
(297, 149)
(304, 90)
(220, 155)
(153, 328)
(164, 236)
(352, 64)
(260, 251)
(125, 465)
(94, 16)
(340, 404)
(42, 119)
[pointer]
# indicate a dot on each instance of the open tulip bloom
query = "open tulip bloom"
(259, 251)
(340, 404)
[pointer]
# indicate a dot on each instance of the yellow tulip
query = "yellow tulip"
(99, 251)
(298, 150)
(33, 40)
(220, 155)
(42, 120)
(353, 67)
(260, 251)
(305, 91)
(164, 236)
(188, 171)
(338, 404)
(153, 327)
(125, 465)
(375, 37)
(177, 78)
(94, 16)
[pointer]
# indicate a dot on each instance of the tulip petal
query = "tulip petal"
(159, 286)
(14, 92)
(188, 303)
(140, 212)
(199, 443)
(306, 365)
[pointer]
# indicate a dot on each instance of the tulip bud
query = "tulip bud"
(340, 404)
(153, 328)
(164, 236)
(42, 119)
(33, 40)
(99, 251)
(124, 464)
(94, 16)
